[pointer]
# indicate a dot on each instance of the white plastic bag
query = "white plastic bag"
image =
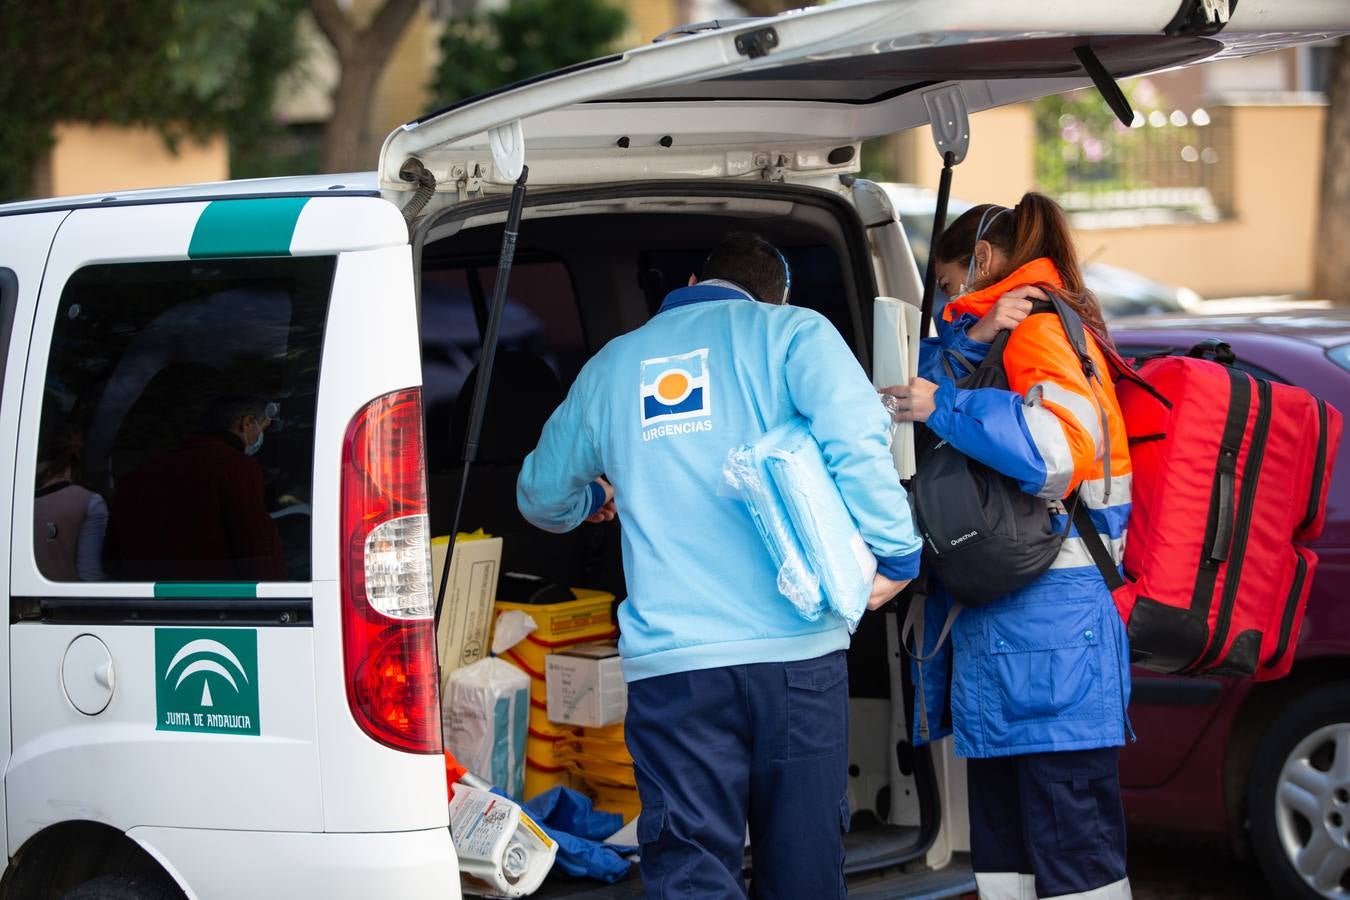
(512, 627)
(823, 560)
(485, 717)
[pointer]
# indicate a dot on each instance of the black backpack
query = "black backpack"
(984, 537)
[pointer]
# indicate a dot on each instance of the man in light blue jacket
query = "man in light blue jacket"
(737, 706)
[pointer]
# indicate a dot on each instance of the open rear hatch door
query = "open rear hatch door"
(794, 94)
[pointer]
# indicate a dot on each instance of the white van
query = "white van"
(260, 719)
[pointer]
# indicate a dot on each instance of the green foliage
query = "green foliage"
(877, 162)
(1079, 139)
(523, 39)
(184, 66)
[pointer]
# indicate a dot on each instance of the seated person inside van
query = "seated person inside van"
(197, 512)
(69, 520)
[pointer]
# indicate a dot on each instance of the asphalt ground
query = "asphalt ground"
(1169, 869)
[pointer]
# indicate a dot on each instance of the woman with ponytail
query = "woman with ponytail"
(1038, 681)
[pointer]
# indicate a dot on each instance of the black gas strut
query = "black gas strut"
(939, 223)
(485, 358)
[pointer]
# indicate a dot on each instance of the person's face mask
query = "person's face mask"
(254, 447)
(987, 219)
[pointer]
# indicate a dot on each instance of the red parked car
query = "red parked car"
(1266, 764)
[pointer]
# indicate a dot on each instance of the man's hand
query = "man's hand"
(883, 590)
(1008, 311)
(606, 512)
(913, 402)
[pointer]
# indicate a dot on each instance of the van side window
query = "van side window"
(541, 320)
(9, 298)
(177, 432)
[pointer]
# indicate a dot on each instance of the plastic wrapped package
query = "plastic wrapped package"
(485, 714)
(810, 533)
(744, 470)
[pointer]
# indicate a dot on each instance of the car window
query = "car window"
(541, 318)
(178, 420)
(1139, 351)
(1340, 356)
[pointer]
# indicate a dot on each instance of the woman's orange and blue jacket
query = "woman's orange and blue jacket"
(1045, 668)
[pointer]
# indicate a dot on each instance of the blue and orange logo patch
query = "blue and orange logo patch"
(675, 388)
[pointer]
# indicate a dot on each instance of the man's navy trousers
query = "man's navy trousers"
(714, 749)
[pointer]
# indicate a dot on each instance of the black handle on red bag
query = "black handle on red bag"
(1215, 349)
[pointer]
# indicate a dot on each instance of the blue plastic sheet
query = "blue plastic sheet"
(823, 561)
(580, 830)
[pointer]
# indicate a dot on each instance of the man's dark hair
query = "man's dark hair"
(222, 412)
(749, 261)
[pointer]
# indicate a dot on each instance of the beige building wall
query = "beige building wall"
(1265, 248)
(648, 18)
(98, 159)
(999, 166)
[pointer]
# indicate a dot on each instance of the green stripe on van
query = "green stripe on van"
(257, 227)
(206, 590)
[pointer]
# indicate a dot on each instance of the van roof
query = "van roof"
(358, 183)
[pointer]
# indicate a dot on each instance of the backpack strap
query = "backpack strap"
(947, 356)
(1096, 548)
(1077, 335)
(914, 625)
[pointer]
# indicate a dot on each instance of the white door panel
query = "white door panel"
(141, 761)
(371, 348)
(117, 768)
(24, 244)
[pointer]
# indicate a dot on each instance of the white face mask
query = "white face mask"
(257, 443)
(986, 222)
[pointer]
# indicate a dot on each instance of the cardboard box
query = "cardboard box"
(585, 686)
(466, 619)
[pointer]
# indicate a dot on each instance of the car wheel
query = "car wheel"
(1298, 796)
(125, 887)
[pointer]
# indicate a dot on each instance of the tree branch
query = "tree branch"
(335, 25)
(388, 26)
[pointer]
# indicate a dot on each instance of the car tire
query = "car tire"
(124, 887)
(1298, 796)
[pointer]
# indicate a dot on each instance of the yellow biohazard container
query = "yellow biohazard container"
(587, 618)
(584, 620)
(600, 762)
(616, 799)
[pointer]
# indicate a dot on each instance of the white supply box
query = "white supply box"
(585, 686)
(466, 619)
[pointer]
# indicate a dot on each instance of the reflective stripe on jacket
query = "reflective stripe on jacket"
(1047, 667)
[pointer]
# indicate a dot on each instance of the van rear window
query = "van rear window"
(177, 433)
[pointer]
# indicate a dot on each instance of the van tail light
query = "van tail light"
(388, 635)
